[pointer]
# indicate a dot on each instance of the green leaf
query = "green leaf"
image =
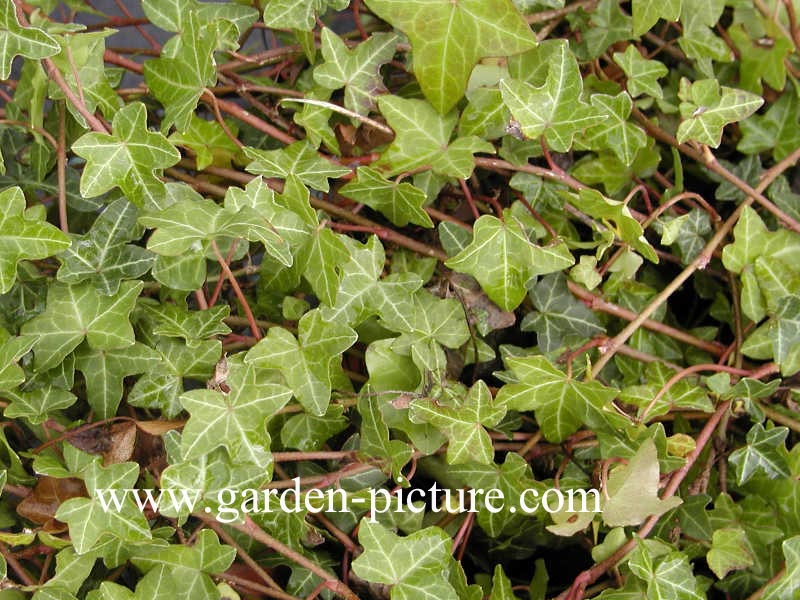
(758, 62)
(102, 256)
(172, 320)
(89, 522)
(375, 441)
(401, 203)
(448, 39)
(431, 319)
(559, 316)
(361, 294)
(614, 132)
(614, 214)
(683, 394)
(504, 280)
(633, 490)
(356, 70)
(104, 371)
(36, 405)
(561, 404)
(729, 551)
(463, 423)
(608, 24)
(131, 158)
(646, 13)
(668, 577)
(423, 139)
(416, 566)
(778, 338)
(174, 15)
(306, 362)
(553, 109)
(501, 586)
(16, 40)
(764, 453)
(299, 159)
(309, 432)
(23, 235)
(786, 587)
(11, 350)
(706, 107)
(78, 312)
(235, 419)
(642, 74)
(160, 388)
(191, 226)
(298, 15)
(208, 141)
(778, 129)
(179, 80)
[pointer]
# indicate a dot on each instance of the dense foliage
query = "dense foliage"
(384, 244)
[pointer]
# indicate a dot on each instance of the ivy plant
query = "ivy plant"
(313, 298)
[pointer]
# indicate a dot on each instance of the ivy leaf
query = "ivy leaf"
(706, 107)
(669, 576)
(447, 39)
(15, 39)
(235, 419)
(786, 587)
(401, 203)
(89, 522)
(764, 453)
(729, 551)
(299, 159)
(646, 13)
(35, 405)
(463, 423)
(757, 62)
(75, 312)
(778, 338)
(308, 433)
(102, 256)
(504, 280)
(432, 319)
(777, 130)
(104, 371)
(422, 139)
(23, 235)
(553, 109)
(298, 15)
(559, 315)
(615, 131)
(375, 441)
(191, 225)
(607, 26)
(614, 213)
(683, 394)
(11, 350)
(642, 74)
(173, 15)
(172, 320)
(305, 362)
(208, 141)
(179, 80)
(361, 294)
(633, 490)
(561, 403)
(416, 567)
(688, 232)
(130, 159)
(356, 70)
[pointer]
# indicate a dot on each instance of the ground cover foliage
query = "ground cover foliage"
(386, 244)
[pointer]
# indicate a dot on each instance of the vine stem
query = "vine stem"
(700, 262)
(250, 528)
(237, 290)
(592, 574)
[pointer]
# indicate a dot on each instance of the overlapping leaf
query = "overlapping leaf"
(449, 38)
(503, 259)
(15, 39)
(23, 235)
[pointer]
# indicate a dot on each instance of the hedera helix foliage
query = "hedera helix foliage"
(371, 246)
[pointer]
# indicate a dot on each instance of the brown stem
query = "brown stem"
(237, 290)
